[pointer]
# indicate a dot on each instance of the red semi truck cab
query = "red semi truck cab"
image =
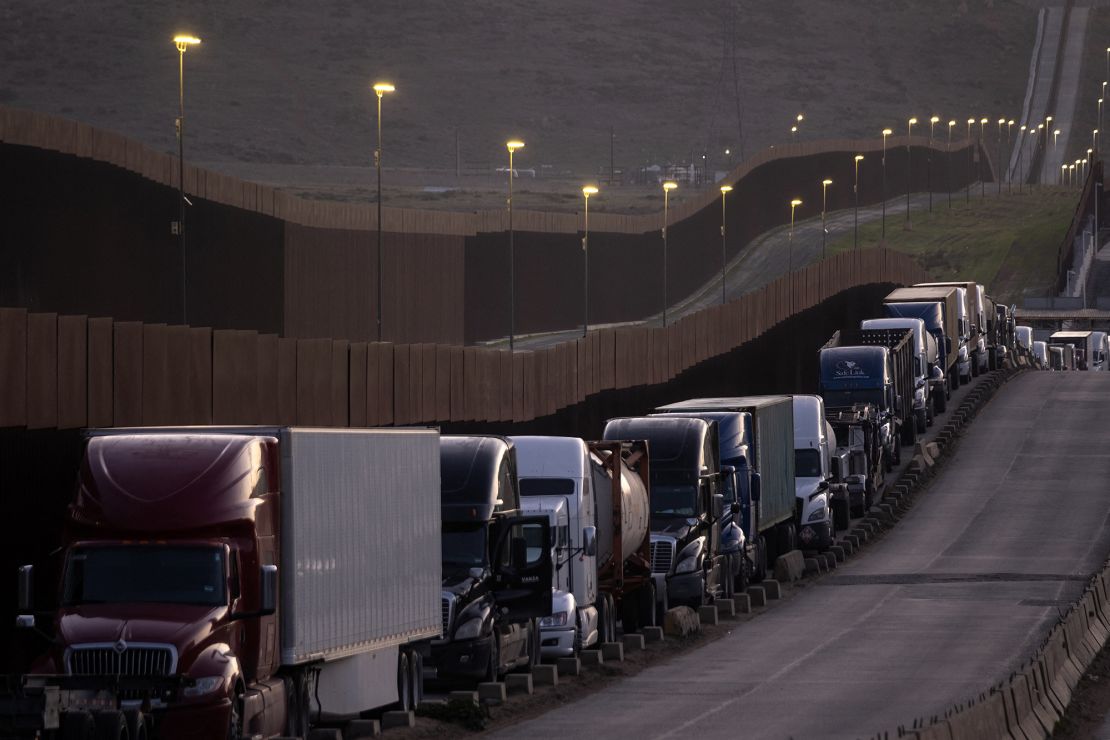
(169, 605)
(167, 543)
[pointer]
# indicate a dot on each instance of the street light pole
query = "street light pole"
(1021, 151)
(929, 161)
(725, 190)
(978, 170)
(380, 89)
(909, 160)
(948, 161)
(970, 153)
(182, 43)
(512, 146)
(1010, 151)
(855, 191)
(1055, 134)
(886, 132)
(998, 148)
(790, 251)
(1047, 128)
(824, 202)
(586, 193)
(667, 188)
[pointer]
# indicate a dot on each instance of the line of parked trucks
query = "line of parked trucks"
(1064, 350)
(266, 582)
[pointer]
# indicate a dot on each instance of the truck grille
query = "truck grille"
(448, 601)
(662, 555)
(121, 660)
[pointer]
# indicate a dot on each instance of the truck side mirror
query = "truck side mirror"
(269, 590)
(26, 580)
(718, 505)
(947, 345)
(757, 487)
(734, 508)
(589, 541)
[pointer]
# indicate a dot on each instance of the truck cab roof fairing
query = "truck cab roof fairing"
(677, 443)
(173, 482)
(471, 468)
(844, 368)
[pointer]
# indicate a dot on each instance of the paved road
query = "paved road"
(964, 589)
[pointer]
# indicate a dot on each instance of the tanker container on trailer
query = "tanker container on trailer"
(606, 572)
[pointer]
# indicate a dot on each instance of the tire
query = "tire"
(404, 682)
(493, 668)
(897, 454)
(728, 581)
(77, 726)
(645, 600)
(111, 726)
(759, 572)
(955, 377)
(603, 617)
(533, 646)
(975, 367)
(234, 720)
(940, 402)
(920, 424)
(740, 585)
(909, 432)
(300, 714)
(630, 613)
(930, 414)
(661, 606)
(788, 539)
(888, 463)
(417, 670)
(137, 729)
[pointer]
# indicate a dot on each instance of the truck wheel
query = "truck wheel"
(493, 670)
(728, 580)
(661, 606)
(611, 604)
(533, 646)
(603, 634)
(404, 682)
(416, 669)
(940, 402)
(645, 600)
(630, 613)
(759, 571)
(787, 539)
(111, 726)
(740, 584)
(136, 724)
(955, 378)
(78, 726)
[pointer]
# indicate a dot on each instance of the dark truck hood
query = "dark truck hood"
(677, 527)
(185, 627)
(459, 581)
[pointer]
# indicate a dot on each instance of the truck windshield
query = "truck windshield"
(546, 487)
(674, 499)
(834, 399)
(145, 574)
(465, 546)
(807, 463)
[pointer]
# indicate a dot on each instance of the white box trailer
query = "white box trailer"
(360, 541)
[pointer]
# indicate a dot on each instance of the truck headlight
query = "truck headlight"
(817, 515)
(687, 565)
(469, 629)
(558, 619)
(203, 686)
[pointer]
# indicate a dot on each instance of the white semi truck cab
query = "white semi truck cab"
(814, 442)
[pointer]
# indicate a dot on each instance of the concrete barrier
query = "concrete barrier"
(985, 719)
(591, 657)
(358, 729)
(708, 614)
(614, 651)
(772, 588)
(520, 683)
(757, 596)
(789, 566)
(652, 634)
(633, 642)
(743, 603)
(569, 666)
(545, 675)
(395, 719)
(492, 692)
(725, 607)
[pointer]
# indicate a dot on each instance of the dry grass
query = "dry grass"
(286, 82)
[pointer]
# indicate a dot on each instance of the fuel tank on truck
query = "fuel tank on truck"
(635, 510)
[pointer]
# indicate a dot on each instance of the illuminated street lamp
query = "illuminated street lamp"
(587, 191)
(1094, 140)
(380, 89)
(1100, 111)
(725, 190)
(182, 42)
(793, 133)
(667, 188)
(886, 132)
(1063, 173)
(855, 190)
(824, 202)
(948, 161)
(909, 159)
(512, 145)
